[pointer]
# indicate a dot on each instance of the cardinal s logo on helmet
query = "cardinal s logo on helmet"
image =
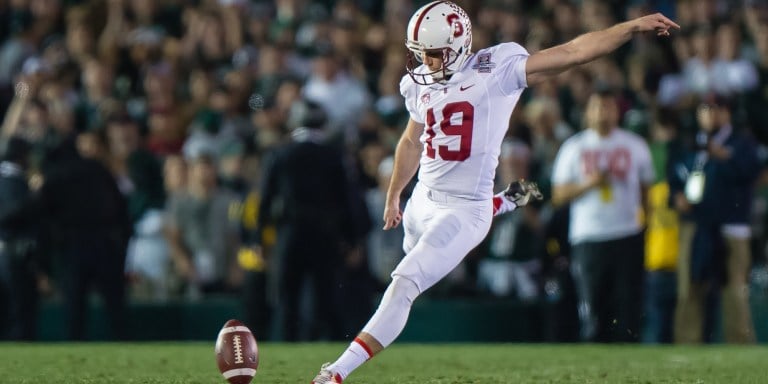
(443, 29)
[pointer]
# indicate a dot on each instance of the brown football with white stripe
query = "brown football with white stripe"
(237, 353)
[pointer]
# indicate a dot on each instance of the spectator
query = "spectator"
(19, 47)
(212, 35)
(604, 172)
(21, 269)
(384, 247)
(223, 121)
(343, 96)
(233, 107)
(701, 71)
(15, 114)
(740, 73)
(60, 103)
(512, 264)
(712, 190)
(231, 162)
(755, 100)
(159, 92)
(579, 84)
(98, 79)
(272, 71)
(548, 131)
(80, 34)
(203, 134)
(201, 232)
(123, 139)
(174, 175)
(200, 86)
(661, 242)
(255, 291)
(166, 135)
(90, 145)
(148, 261)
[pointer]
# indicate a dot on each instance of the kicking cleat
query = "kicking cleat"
(520, 192)
(326, 376)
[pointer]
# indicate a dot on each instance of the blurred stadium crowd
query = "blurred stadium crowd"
(149, 124)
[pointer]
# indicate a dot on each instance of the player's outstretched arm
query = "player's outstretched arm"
(590, 46)
(407, 155)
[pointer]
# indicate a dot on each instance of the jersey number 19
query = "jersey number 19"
(463, 129)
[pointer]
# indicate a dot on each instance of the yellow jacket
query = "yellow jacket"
(661, 241)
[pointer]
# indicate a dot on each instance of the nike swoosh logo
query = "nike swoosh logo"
(463, 88)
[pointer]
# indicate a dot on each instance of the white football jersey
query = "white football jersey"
(465, 120)
(605, 213)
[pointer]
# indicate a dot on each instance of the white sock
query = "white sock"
(502, 205)
(384, 326)
(357, 354)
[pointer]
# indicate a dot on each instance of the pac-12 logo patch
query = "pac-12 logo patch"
(484, 63)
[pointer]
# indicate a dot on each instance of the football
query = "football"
(237, 354)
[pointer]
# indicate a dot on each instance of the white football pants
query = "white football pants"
(440, 230)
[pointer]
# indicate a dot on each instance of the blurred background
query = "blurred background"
(148, 152)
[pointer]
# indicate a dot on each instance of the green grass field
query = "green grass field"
(448, 363)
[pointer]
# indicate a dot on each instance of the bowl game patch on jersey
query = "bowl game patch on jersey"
(484, 63)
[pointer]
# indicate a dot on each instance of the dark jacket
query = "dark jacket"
(729, 183)
(307, 187)
(81, 200)
(17, 219)
(727, 199)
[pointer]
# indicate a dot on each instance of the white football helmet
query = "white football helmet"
(438, 27)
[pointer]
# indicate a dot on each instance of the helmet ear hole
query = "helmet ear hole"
(418, 57)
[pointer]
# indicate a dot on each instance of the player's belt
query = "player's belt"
(442, 197)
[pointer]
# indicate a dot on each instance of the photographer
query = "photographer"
(711, 188)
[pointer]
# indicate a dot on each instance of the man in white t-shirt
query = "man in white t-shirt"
(459, 103)
(604, 173)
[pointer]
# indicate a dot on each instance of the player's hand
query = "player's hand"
(654, 23)
(392, 214)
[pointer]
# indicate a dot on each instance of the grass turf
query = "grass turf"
(192, 363)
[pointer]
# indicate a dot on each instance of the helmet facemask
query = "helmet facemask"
(447, 59)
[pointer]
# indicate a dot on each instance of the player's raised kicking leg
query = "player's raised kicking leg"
(432, 252)
(517, 194)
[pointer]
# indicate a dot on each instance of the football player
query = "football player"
(456, 99)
